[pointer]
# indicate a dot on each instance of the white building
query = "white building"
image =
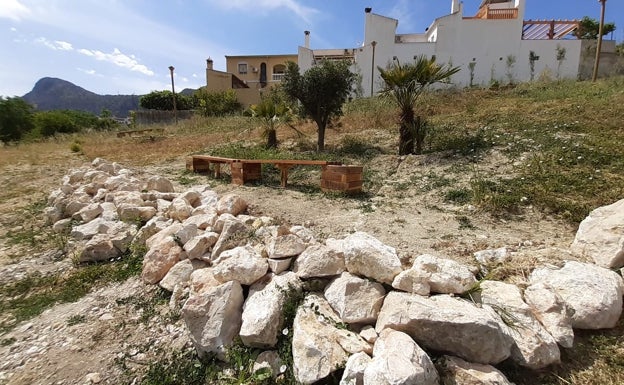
(496, 45)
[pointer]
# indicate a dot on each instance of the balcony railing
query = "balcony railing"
(278, 77)
(496, 13)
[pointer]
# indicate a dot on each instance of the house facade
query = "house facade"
(494, 46)
(249, 76)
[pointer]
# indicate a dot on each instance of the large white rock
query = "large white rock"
(89, 230)
(262, 312)
(356, 300)
(159, 183)
(398, 360)
(180, 209)
(159, 259)
(242, 264)
(593, 292)
(285, 246)
(179, 274)
(455, 371)
(534, 347)
(186, 233)
(354, 370)
(89, 212)
(318, 346)
(551, 310)
(231, 228)
(163, 235)
(445, 276)
(367, 256)
(131, 213)
(152, 227)
(214, 318)
(99, 248)
(202, 221)
(202, 280)
(200, 245)
(231, 204)
(601, 236)
(412, 281)
(447, 324)
(319, 260)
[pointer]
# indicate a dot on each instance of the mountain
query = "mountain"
(58, 94)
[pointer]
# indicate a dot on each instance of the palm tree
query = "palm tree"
(404, 84)
(603, 4)
(271, 114)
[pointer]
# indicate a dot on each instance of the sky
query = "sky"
(126, 46)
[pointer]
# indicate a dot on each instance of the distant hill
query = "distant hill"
(58, 94)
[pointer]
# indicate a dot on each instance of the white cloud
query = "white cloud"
(13, 29)
(89, 72)
(55, 45)
(13, 9)
(119, 59)
(403, 11)
(303, 12)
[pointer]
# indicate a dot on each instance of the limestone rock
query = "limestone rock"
(303, 232)
(230, 229)
(356, 300)
(455, 371)
(159, 183)
(601, 236)
(200, 245)
(593, 292)
(242, 264)
(318, 346)
(369, 334)
(159, 259)
(354, 370)
(202, 280)
(445, 276)
(231, 204)
(89, 230)
(202, 221)
(412, 281)
(214, 318)
(534, 347)
(491, 257)
(285, 246)
(398, 360)
(163, 235)
(268, 359)
(179, 274)
(186, 233)
(89, 212)
(180, 209)
(262, 312)
(278, 266)
(447, 324)
(131, 213)
(551, 310)
(319, 260)
(99, 248)
(367, 256)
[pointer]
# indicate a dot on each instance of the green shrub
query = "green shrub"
(217, 103)
(49, 123)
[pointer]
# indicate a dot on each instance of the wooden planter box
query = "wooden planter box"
(347, 179)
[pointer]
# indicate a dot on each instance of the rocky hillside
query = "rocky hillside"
(58, 94)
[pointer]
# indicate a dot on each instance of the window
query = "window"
(242, 68)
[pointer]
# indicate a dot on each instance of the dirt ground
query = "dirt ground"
(104, 337)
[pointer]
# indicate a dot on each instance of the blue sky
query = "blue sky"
(126, 46)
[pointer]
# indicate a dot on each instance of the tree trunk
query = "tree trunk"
(320, 144)
(271, 139)
(406, 133)
(419, 130)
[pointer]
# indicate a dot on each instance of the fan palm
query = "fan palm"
(404, 84)
(271, 114)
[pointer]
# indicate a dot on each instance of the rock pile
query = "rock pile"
(367, 314)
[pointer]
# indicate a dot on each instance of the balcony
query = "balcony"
(496, 13)
(278, 77)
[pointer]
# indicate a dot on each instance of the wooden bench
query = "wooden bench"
(334, 177)
(159, 131)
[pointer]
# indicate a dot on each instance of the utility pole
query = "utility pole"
(373, 44)
(603, 4)
(175, 110)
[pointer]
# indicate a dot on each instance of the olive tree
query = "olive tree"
(16, 119)
(322, 90)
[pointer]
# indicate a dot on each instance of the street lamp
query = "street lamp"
(175, 110)
(603, 4)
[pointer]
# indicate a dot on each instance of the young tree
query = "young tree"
(321, 90)
(271, 112)
(404, 84)
(16, 118)
(589, 28)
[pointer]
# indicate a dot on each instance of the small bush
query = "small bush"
(218, 103)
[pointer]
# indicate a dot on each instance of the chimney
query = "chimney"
(307, 39)
(209, 64)
(368, 10)
(454, 6)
